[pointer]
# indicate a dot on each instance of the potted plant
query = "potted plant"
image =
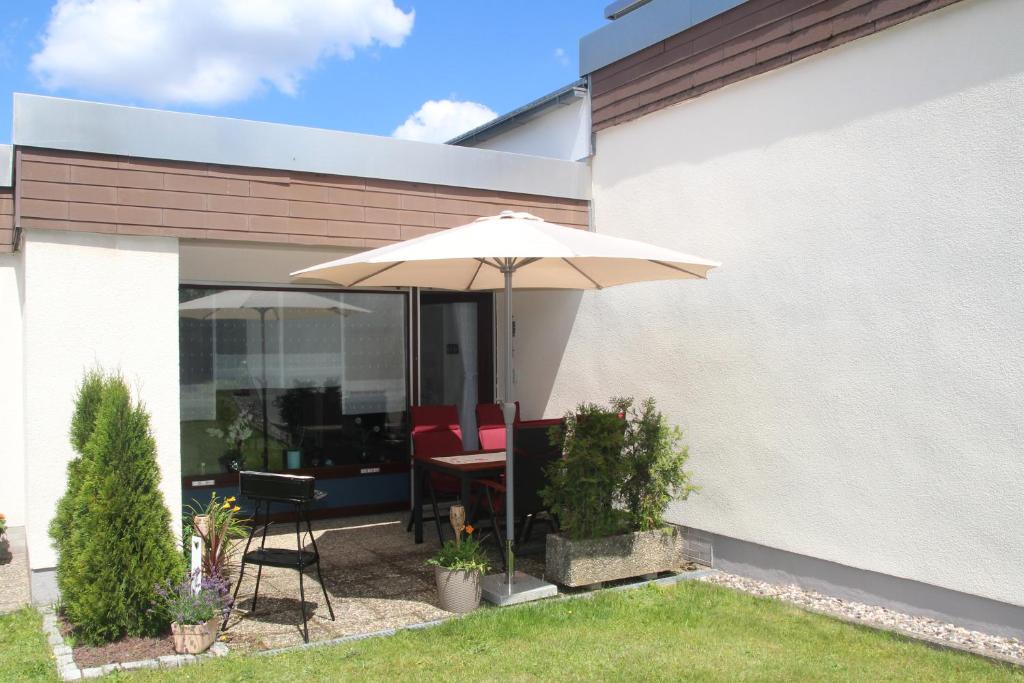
(458, 567)
(219, 526)
(621, 469)
(5, 543)
(290, 406)
(195, 615)
(234, 435)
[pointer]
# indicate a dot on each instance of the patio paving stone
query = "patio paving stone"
(373, 571)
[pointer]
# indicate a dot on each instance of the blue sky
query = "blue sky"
(226, 57)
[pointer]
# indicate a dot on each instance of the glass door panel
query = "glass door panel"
(456, 355)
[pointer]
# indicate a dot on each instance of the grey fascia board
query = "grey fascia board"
(643, 27)
(6, 165)
(75, 125)
(622, 7)
(517, 117)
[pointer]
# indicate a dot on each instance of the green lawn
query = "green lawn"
(24, 654)
(692, 631)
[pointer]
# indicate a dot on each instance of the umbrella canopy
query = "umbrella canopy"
(507, 251)
(253, 304)
(545, 256)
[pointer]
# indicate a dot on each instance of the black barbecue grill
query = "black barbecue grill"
(266, 489)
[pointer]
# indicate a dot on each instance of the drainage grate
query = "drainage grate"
(697, 547)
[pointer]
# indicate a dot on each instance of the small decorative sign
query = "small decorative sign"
(202, 482)
(197, 564)
(369, 470)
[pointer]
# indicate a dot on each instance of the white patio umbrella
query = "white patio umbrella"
(255, 304)
(511, 250)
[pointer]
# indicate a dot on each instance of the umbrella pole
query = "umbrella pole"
(508, 410)
(263, 355)
(513, 587)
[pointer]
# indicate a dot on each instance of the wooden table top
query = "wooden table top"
(464, 462)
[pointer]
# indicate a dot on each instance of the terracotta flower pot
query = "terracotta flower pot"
(194, 639)
(458, 590)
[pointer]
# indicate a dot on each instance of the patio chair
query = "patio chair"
(265, 489)
(490, 425)
(533, 453)
(436, 432)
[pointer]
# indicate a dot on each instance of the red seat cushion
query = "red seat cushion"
(434, 418)
(491, 425)
(436, 432)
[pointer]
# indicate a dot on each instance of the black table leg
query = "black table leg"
(417, 501)
(464, 493)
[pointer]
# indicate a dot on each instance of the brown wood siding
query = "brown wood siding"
(6, 220)
(750, 39)
(110, 194)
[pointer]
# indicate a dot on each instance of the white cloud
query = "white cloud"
(561, 57)
(206, 51)
(440, 120)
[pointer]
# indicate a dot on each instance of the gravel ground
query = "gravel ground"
(879, 616)
(14, 582)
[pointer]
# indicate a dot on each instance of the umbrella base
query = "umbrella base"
(525, 588)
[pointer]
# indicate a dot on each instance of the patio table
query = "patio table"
(465, 466)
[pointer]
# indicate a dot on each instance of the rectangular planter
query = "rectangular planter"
(194, 639)
(584, 562)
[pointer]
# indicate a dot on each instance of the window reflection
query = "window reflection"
(288, 379)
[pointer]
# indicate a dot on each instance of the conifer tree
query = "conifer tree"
(83, 421)
(123, 541)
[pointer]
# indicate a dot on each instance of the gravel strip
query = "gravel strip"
(930, 629)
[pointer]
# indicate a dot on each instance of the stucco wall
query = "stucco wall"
(12, 417)
(851, 380)
(95, 299)
(562, 132)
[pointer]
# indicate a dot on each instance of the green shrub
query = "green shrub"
(70, 506)
(584, 486)
(621, 468)
(655, 459)
(122, 539)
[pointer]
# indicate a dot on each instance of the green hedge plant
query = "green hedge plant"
(122, 537)
(655, 464)
(622, 466)
(584, 486)
(70, 507)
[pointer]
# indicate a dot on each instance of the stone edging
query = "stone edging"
(69, 671)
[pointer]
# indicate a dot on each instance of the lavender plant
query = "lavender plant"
(180, 605)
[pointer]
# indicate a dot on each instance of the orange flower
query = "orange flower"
(469, 529)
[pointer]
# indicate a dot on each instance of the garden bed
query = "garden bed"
(128, 649)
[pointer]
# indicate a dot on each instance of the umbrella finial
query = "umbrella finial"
(507, 213)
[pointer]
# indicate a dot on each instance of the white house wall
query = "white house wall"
(851, 381)
(107, 300)
(562, 132)
(12, 417)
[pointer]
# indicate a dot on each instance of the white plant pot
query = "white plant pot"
(458, 590)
